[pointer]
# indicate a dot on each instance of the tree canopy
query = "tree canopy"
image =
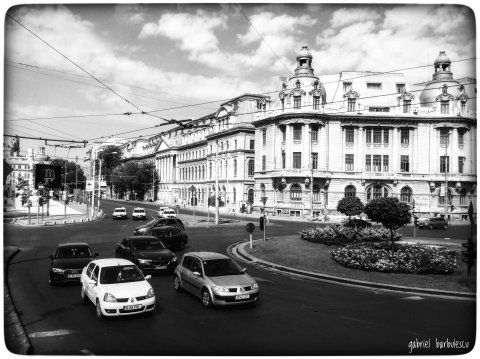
(350, 206)
(134, 179)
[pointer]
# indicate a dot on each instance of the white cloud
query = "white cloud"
(344, 16)
(134, 14)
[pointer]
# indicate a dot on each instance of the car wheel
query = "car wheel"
(206, 299)
(176, 284)
(98, 310)
(83, 295)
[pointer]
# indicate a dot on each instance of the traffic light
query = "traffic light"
(262, 224)
(469, 255)
(40, 201)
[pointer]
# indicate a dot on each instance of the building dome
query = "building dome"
(443, 71)
(304, 52)
(442, 58)
(304, 62)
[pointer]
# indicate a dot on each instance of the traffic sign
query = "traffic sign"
(250, 227)
(89, 186)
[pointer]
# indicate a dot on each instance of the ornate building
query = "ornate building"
(366, 134)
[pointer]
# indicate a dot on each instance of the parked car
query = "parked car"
(159, 222)
(139, 213)
(67, 262)
(216, 279)
(169, 213)
(117, 287)
(433, 222)
(160, 211)
(172, 237)
(148, 253)
(119, 213)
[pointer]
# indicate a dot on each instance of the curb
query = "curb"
(237, 250)
(61, 221)
(16, 339)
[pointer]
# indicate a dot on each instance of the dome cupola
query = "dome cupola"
(442, 68)
(304, 62)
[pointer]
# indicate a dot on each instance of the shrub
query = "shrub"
(355, 222)
(403, 259)
(341, 235)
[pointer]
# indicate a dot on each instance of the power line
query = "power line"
(46, 139)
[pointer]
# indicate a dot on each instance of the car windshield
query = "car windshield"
(120, 274)
(138, 211)
(74, 252)
(147, 244)
(221, 267)
(119, 210)
(169, 211)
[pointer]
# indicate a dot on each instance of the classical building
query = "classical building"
(320, 138)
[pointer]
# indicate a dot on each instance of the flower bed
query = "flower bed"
(341, 235)
(404, 259)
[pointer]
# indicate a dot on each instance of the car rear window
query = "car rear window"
(138, 210)
(74, 252)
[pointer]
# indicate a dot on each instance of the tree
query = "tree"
(350, 206)
(111, 159)
(390, 212)
(134, 178)
(71, 178)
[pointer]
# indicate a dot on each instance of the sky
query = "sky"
(73, 72)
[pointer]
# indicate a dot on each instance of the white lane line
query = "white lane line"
(356, 320)
(86, 352)
(52, 333)
(414, 297)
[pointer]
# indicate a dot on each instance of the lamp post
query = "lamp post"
(216, 183)
(447, 165)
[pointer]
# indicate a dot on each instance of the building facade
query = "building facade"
(321, 138)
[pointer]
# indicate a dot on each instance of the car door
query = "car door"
(186, 273)
(92, 287)
(197, 279)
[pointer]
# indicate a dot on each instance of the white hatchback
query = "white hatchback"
(139, 213)
(161, 210)
(116, 287)
(169, 213)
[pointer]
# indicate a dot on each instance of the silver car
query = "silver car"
(216, 279)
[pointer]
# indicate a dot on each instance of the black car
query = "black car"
(148, 253)
(159, 222)
(68, 260)
(172, 237)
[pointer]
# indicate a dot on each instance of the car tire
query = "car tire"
(83, 295)
(50, 281)
(176, 284)
(98, 310)
(206, 299)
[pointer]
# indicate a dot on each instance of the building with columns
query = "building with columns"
(323, 137)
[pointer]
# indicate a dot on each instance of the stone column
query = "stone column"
(288, 147)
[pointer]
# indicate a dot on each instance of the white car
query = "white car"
(169, 213)
(119, 213)
(117, 287)
(161, 210)
(139, 213)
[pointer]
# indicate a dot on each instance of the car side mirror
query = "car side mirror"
(198, 274)
(92, 282)
(244, 270)
(96, 254)
(148, 277)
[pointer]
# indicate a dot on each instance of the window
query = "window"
(404, 136)
(314, 160)
(349, 162)
(283, 160)
(462, 199)
(297, 132)
(377, 163)
(349, 135)
(444, 164)
(314, 133)
(460, 138)
(316, 102)
(444, 134)
(297, 101)
(264, 136)
(252, 144)
(461, 161)
(351, 105)
(376, 192)
(463, 106)
(407, 104)
(406, 195)
(264, 163)
(404, 164)
(235, 168)
(377, 135)
(210, 169)
(283, 129)
(250, 196)
(297, 160)
(316, 193)
(368, 135)
(295, 192)
(374, 85)
(350, 191)
(400, 88)
(347, 86)
(251, 168)
(368, 162)
(385, 163)
(282, 100)
(379, 109)
(385, 136)
(444, 107)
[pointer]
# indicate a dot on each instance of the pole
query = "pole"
(447, 165)
(251, 240)
(264, 226)
(65, 192)
(76, 168)
(38, 214)
(99, 184)
(311, 175)
(93, 180)
(414, 221)
(216, 183)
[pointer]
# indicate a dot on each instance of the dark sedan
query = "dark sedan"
(67, 262)
(148, 253)
(434, 222)
(172, 237)
(159, 222)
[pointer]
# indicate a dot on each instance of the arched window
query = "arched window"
(295, 192)
(234, 195)
(350, 191)
(251, 168)
(376, 192)
(235, 168)
(406, 195)
(250, 196)
(262, 190)
(462, 199)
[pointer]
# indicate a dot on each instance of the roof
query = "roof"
(142, 237)
(110, 262)
(73, 244)
(120, 208)
(208, 255)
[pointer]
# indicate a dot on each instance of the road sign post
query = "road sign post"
(250, 228)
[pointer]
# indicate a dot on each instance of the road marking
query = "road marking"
(414, 297)
(356, 320)
(258, 279)
(86, 352)
(52, 333)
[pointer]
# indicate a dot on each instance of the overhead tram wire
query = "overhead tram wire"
(82, 69)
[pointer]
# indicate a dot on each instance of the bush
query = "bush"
(342, 235)
(356, 222)
(404, 258)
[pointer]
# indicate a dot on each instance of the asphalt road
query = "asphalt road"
(294, 317)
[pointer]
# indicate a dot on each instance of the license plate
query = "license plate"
(73, 276)
(132, 307)
(161, 267)
(242, 296)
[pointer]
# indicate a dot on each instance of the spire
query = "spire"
(304, 62)
(442, 68)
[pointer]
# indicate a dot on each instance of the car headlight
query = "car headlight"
(109, 298)
(141, 230)
(144, 261)
(57, 270)
(254, 286)
(174, 259)
(150, 293)
(219, 289)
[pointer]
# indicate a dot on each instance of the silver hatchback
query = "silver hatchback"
(216, 279)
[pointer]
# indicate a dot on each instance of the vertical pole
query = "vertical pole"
(216, 182)
(76, 169)
(65, 192)
(447, 165)
(92, 198)
(264, 226)
(251, 241)
(38, 214)
(99, 184)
